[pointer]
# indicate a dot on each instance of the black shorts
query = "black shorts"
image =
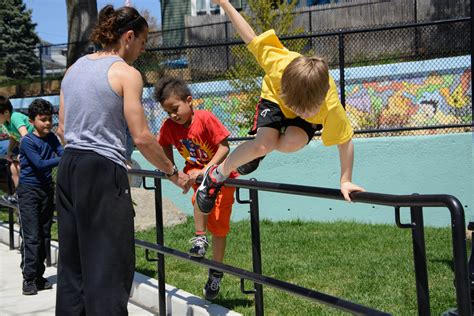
(269, 114)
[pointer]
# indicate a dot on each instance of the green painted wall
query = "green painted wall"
(438, 164)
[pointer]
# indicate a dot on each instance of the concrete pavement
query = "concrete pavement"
(13, 302)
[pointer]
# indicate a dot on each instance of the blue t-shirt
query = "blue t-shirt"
(38, 157)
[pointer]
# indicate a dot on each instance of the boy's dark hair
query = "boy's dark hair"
(39, 107)
(169, 86)
(5, 104)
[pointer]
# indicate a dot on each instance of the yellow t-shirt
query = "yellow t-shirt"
(273, 57)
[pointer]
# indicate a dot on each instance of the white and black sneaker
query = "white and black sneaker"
(199, 247)
(212, 287)
(206, 193)
(11, 199)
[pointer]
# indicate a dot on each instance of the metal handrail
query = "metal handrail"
(415, 202)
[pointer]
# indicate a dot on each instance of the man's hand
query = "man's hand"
(348, 187)
(181, 180)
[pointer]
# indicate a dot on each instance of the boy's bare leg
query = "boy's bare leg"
(265, 142)
(293, 140)
(200, 220)
(218, 248)
(15, 171)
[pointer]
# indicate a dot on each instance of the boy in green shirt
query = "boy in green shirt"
(17, 125)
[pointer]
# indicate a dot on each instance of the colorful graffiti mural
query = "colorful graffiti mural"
(428, 99)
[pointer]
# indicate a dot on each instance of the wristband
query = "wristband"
(175, 171)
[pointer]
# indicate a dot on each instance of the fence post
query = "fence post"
(256, 249)
(342, 83)
(40, 48)
(227, 46)
(160, 241)
(419, 255)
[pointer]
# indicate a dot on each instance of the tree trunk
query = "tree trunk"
(81, 17)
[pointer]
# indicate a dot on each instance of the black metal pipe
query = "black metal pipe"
(160, 241)
(419, 259)
(461, 271)
(11, 232)
(256, 249)
(41, 69)
(320, 297)
(382, 130)
(325, 34)
(47, 246)
(342, 66)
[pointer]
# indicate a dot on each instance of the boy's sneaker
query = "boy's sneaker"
(211, 289)
(12, 199)
(199, 247)
(29, 287)
(250, 166)
(206, 193)
(43, 284)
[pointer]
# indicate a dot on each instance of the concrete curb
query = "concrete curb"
(145, 289)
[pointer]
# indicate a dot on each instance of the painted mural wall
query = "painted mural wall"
(422, 93)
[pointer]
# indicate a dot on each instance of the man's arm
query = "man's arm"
(240, 24)
(138, 126)
(346, 157)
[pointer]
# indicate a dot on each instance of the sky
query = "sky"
(50, 16)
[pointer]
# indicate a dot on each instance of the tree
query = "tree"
(18, 41)
(81, 17)
(246, 74)
(154, 36)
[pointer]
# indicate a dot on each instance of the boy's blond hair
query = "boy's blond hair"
(305, 83)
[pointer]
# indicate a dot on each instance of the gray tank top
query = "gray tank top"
(93, 111)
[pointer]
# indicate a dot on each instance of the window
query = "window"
(204, 7)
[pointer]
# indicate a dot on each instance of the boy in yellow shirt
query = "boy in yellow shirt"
(298, 98)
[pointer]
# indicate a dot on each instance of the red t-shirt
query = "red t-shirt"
(198, 142)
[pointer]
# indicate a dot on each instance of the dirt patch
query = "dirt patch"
(145, 210)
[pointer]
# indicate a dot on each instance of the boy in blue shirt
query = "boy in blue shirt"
(40, 152)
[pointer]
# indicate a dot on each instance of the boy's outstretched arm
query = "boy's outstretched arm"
(241, 26)
(346, 156)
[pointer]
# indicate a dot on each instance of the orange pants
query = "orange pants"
(219, 218)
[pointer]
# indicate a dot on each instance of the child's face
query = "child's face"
(42, 124)
(179, 111)
(4, 116)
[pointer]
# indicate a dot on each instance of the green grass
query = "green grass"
(368, 264)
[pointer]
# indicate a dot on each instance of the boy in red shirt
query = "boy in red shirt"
(201, 139)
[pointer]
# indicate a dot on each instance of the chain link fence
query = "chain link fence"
(402, 79)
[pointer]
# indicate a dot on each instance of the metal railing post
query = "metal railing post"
(11, 220)
(160, 241)
(419, 255)
(47, 246)
(11, 235)
(461, 272)
(256, 249)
